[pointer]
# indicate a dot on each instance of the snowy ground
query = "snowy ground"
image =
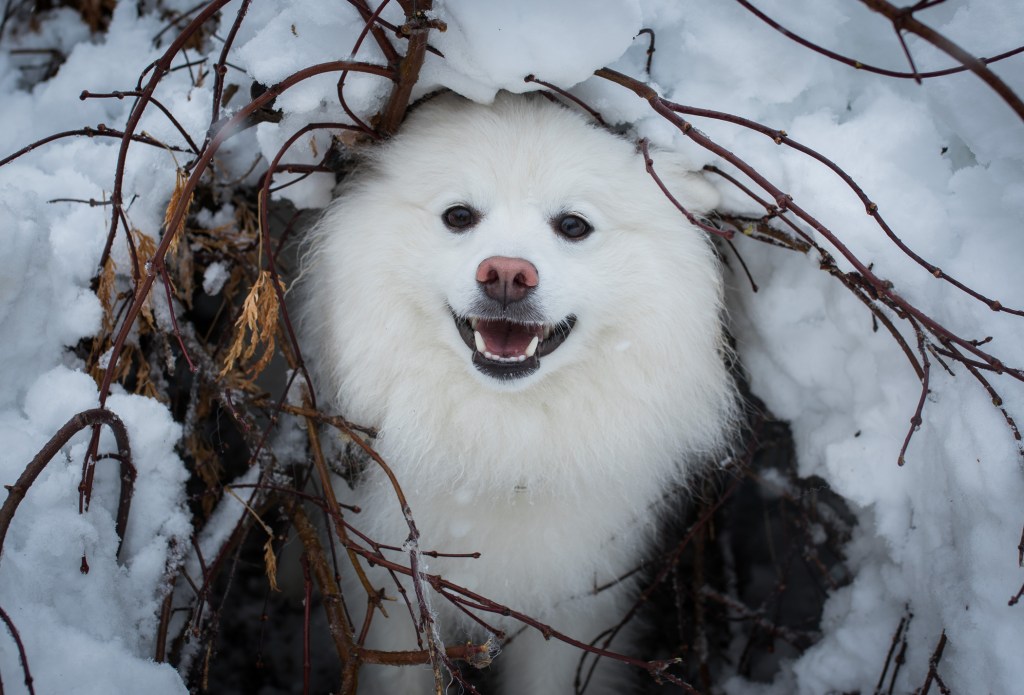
(944, 161)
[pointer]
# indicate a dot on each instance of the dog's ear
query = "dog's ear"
(689, 187)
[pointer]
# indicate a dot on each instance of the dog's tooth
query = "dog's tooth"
(531, 348)
(547, 331)
(473, 321)
(481, 346)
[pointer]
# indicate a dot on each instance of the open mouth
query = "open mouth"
(506, 349)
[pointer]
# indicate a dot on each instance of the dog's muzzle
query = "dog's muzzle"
(506, 349)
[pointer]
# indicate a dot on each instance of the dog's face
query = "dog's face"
(534, 236)
(527, 260)
(517, 241)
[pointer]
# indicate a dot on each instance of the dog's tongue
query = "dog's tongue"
(505, 338)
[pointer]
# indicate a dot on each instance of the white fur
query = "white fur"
(556, 477)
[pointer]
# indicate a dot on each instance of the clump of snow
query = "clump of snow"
(214, 277)
(494, 45)
(944, 161)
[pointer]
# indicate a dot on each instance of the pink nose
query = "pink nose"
(506, 280)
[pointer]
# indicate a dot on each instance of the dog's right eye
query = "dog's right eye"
(572, 227)
(459, 217)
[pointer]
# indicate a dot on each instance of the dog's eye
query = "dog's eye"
(572, 227)
(459, 217)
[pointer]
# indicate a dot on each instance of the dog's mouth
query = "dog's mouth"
(507, 350)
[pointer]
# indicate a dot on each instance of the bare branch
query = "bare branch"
(903, 19)
(87, 418)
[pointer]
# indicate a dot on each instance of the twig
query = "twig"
(220, 69)
(335, 421)
(374, 22)
(650, 49)
(649, 164)
(476, 655)
(904, 621)
(1020, 550)
(160, 652)
(225, 132)
(86, 94)
(785, 202)
(21, 649)
(901, 658)
(87, 418)
(780, 137)
(91, 202)
(915, 420)
(334, 606)
(827, 264)
(861, 65)
(596, 115)
(174, 318)
(264, 228)
(903, 19)
(176, 19)
(89, 132)
(417, 26)
(933, 665)
(159, 68)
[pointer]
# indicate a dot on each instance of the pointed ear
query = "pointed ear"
(689, 187)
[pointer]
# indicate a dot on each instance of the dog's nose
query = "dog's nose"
(506, 280)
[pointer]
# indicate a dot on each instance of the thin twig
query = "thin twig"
(861, 65)
(417, 26)
(650, 49)
(691, 218)
(21, 650)
(86, 94)
(86, 418)
(594, 113)
(785, 202)
(903, 19)
(933, 665)
(89, 132)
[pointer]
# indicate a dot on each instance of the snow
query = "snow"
(493, 45)
(944, 161)
(214, 277)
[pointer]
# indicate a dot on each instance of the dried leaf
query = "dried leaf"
(258, 320)
(144, 383)
(145, 249)
(229, 91)
(269, 559)
(270, 562)
(105, 293)
(181, 179)
(181, 262)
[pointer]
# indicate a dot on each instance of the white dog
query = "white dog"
(535, 330)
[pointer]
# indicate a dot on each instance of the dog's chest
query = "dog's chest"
(536, 548)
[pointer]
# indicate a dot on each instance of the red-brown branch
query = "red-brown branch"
(861, 65)
(902, 18)
(21, 651)
(87, 418)
(785, 202)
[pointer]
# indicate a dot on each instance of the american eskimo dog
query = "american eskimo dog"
(535, 330)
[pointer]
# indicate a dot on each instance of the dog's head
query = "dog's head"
(511, 242)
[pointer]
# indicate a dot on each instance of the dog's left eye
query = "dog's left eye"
(459, 217)
(572, 227)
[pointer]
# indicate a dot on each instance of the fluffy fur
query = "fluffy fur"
(554, 476)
